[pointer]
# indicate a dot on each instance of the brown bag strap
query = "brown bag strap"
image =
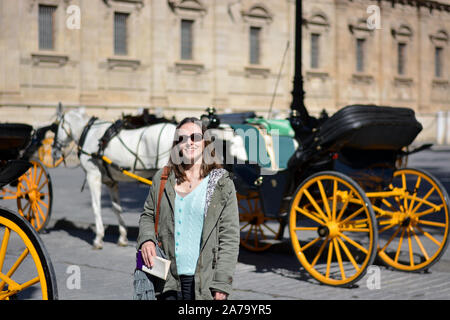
(164, 177)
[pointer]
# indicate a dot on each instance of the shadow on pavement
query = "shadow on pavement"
(86, 232)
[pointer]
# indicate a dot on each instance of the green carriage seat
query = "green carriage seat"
(281, 127)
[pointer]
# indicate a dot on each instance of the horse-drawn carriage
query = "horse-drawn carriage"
(340, 191)
(24, 261)
(338, 187)
(32, 190)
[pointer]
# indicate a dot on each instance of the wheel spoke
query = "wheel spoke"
(429, 236)
(322, 247)
(426, 212)
(29, 283)
(310, 215)
(315, 205)
(269, 228)
(416, 187)
(411, 252)
(423, 200)
(245, 226)
(339, 258)
(262, 232)
(43, 203)
(391, 238)
(348, 254)
(333, 209)
(354, 214)
(390, 225)
(4, 246)
(309, 244)
(40, 175)
(424, 252)
(248, 233)
(324, 199)
(399, 248)
(432, 223)
(355, 244)
(43, 185)
(344, 207)
(330, 256)
(15, 266)
(404, 187)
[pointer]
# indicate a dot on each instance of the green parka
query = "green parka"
(219, 246)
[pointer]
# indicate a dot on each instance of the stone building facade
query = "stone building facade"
(180, 56)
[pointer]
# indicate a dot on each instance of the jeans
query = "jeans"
(187, 290)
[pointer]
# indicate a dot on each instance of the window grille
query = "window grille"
(401, 56)
(46, 27)
(255, 45)
(438, 61)
(186, 39)
(315, 50)
(120, 33)
(360, 53)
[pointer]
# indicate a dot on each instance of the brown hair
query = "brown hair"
(179, 167)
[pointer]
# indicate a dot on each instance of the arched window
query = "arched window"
(403, 36)
(440, 41)
(257, 17)
(317, 24)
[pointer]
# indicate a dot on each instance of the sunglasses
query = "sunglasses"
(195, 137)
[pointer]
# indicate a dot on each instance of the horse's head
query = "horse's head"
(69, 126)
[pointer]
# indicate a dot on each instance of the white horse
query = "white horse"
(141, 151)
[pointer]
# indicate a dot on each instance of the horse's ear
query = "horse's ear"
(59, 109)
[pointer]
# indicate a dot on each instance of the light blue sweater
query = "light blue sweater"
(189, 216)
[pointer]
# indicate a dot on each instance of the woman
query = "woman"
(198, 223)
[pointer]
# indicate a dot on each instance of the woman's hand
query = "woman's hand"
(148, 250)
(220, 295)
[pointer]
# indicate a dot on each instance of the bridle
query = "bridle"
(60, 123)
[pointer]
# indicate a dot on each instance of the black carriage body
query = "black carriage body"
(20, 141)
(362, 141)
(14, 138)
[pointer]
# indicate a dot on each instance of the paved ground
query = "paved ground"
(276, 274)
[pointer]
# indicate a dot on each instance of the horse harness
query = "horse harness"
(112, 131)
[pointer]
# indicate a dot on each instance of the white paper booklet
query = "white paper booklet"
(160, 267)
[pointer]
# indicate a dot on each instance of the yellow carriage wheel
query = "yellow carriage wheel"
(257, 231)
(25, 267)
(413, 225)
(45, 154)
(333, 228)
(34, 196)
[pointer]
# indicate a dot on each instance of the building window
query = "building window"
(360, 53)
(120, 33)
(401, 58)
(46, 27)
(255, 45)
(187, 38)
(438, 53)
(315, 50)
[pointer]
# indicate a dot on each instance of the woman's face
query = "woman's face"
(192, 142)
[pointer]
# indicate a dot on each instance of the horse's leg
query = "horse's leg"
(117, 208)
(94, 180)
